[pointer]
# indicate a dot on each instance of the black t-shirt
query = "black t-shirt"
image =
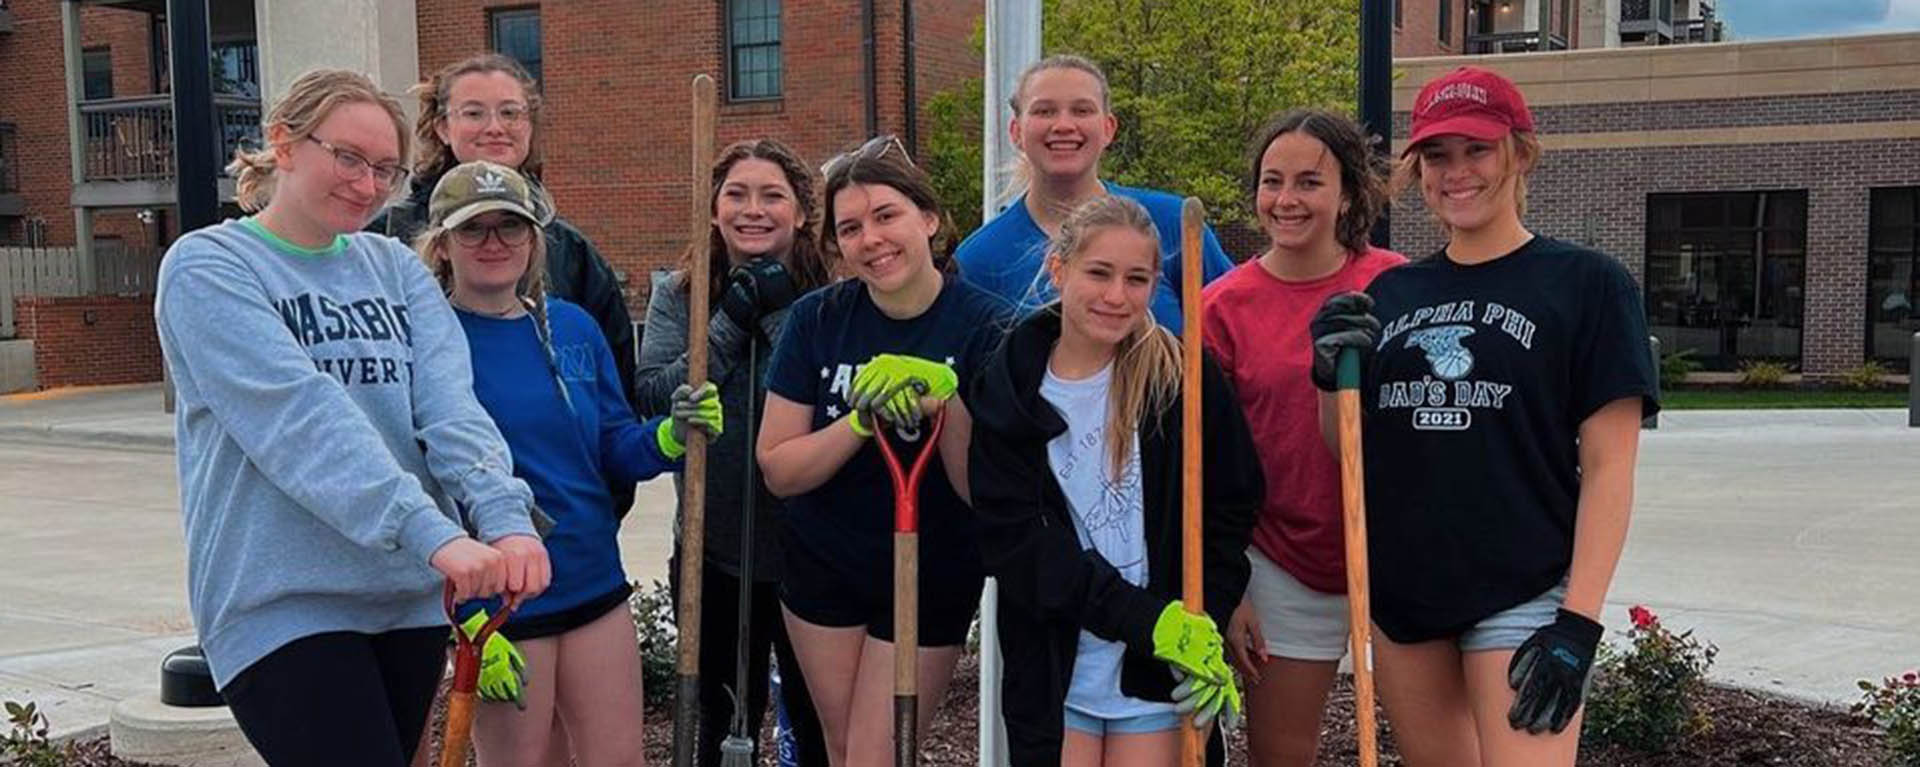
(829, 335)
(1472, 406)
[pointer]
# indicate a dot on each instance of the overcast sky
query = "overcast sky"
(1764, 19)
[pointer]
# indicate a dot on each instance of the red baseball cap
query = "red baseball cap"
(1471, 102)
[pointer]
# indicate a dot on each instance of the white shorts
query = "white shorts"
(1298, 622)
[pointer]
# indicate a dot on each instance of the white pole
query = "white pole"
(1013, 42)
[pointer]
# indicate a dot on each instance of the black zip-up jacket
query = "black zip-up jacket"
(575, 272)
(1051, 588)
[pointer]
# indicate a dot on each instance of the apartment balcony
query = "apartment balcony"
(1702, 30)
(128, 148)
(1524, 41)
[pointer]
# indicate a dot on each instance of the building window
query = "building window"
(753, 49)
(515, 33)
(96, 73)
(1726, 274)
(1893, 273)
(1446, 21)
(1396, 14)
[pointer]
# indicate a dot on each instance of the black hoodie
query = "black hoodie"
(1051, 588)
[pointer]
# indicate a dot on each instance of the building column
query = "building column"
(1599, 23)
(375, 37)
(77, 141)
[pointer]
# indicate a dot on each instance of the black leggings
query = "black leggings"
(341, 698)
(719, 631)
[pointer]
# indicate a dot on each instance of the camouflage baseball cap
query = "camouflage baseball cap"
(473, 188)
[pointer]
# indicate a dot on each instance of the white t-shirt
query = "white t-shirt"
(1108, 517)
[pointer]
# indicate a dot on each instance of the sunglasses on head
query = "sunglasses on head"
(874, 149)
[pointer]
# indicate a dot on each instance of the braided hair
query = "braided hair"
(432, 244)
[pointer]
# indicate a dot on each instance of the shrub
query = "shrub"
(652, 607)
(1763, 373)
(1894, 704)
(1674, 367)
(26, 743)
(1867, 377)
(1646, 697)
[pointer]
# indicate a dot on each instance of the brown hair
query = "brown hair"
(1521, 148)
(1146, 365)
(435, 156)
(1361, 171)
(804, 260)
(307, 103)
(891, 167)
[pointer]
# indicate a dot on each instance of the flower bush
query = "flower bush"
(1894, 704)
(1646, 695)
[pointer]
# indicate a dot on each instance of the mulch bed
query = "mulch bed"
(1748, 729)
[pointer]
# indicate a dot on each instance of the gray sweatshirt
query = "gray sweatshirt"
(326, 428)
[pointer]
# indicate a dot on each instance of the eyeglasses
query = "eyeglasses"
(348, 165)
(874, 149)
(513, 232)
(511, 115)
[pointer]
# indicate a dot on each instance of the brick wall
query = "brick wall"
(90, 341)
(618, 111)
(1418, 33)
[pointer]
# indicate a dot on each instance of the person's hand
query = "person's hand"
(503, 670)
(528, 571)
(1190, 643)
(1345, 321)
(1549, 673)
(884, 386)
(755, 289)
(475, 569)
(690, 408)
(1206, 700)
(1246, 642)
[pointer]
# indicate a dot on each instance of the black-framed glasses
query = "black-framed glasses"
(349, 165)
(874, 149)
(513, 231)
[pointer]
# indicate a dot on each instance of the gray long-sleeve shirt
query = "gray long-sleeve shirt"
(326, 427)
(663, 366)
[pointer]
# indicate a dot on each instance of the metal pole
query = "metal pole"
(1913, 384)
(194, 138)
(1653, 346)
(1376, 90)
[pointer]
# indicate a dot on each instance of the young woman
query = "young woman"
(1062, 124)
(1316, 193)
(1075, 467)
(327, 430)
(902, 317)
(1503, 401)
(487, 107)
(543, 371)
(766, 222)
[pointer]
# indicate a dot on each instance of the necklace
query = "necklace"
(502, 313)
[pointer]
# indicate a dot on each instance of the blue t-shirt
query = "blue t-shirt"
(567, 449)
(830, 333)
(1005, 256)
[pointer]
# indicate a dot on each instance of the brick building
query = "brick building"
(1765, 194)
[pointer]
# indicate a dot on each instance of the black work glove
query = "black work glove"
(1345, 321)
(1549, 673)
(755, 289)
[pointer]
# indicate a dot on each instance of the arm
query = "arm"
(954, 438)
(464, 449)
(630, 451)
(1609, 445)
(228, 345)
(663, 348)
(601, 295)
(793, 458)
(1039, 562)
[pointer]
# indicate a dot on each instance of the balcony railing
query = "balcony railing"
(9, 159)
(1703, 30)
(1515, 42)
(131, 139)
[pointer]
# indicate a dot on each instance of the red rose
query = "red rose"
(1642, 617)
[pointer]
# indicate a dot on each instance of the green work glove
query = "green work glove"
(1205, 700)
(689, 407)
(1191, 644)
(503, 670)
(882, 386)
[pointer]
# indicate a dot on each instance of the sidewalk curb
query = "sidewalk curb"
(82, 436)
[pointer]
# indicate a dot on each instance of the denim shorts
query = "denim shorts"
(1510, 628)
(1128, 725)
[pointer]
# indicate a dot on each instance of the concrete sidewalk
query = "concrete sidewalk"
(1785, 537)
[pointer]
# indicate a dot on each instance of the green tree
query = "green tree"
(1191, 81)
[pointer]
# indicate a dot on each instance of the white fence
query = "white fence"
(41, 271)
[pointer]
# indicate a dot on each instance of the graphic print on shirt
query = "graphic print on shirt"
(1109, 523)
(316, 319)
(840, 378)
(1446, 398)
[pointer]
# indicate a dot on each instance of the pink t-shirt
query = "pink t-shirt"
(1255, 325)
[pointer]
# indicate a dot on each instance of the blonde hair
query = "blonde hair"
(435, 156)
(1146, 365)
(434, 241)
(308, 102)
(1521, 149)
